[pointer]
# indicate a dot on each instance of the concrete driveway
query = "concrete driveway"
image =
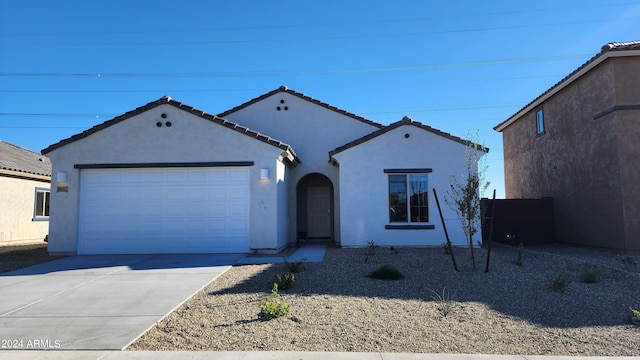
(100, 302)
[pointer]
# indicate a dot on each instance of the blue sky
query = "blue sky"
(456, 65)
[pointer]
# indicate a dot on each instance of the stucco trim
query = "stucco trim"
(610, 50)
(164, 165)
(407, 171)
(409, 227)
(616, 108)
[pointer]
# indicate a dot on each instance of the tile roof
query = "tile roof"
(291, 155)
(16, 158)
(604, 52)
(304, 97)
(405, 121)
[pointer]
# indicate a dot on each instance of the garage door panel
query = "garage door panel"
(164, 210)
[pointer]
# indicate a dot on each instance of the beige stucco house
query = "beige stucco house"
(578, 143)
(280, 169)
(25, 177)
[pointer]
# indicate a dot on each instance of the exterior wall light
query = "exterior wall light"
(264, 174)
(61, 182)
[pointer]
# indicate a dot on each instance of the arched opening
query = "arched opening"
(314, 208)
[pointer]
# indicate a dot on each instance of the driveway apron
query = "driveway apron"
(99, 302)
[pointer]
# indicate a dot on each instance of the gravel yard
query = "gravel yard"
(335, 307)
(20, 256)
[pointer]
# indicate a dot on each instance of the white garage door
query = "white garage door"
(164, 210)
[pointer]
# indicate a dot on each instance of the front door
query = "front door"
(318, 212)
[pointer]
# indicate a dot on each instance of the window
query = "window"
(408, 198)
(539, 122)
(41, 207)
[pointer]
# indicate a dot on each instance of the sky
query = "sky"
(460, 66)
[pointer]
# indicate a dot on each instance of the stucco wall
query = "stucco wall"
(582, 162)
(312, 131)
(17, 199)
(364, 187)
(189, 139)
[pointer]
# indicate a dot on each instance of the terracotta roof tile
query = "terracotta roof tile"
(16, 158)
(405, 121)
(301, 96)
(190, 109)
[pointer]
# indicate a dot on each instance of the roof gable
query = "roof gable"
(301, 96)
(406, 121)
(17, 159)
(166, 100)
(614, 49)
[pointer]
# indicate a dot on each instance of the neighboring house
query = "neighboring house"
(25, 178)
(169, 178)
(578, 143)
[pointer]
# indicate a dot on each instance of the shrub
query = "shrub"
(273, 306)
(386, 272)
(635, 316)
(372, 246)
(285, 281)
(629, 263)
(519, 256)
(293, 267)
(558, 282)
(444, 300)
(590, 273)
(446, 247)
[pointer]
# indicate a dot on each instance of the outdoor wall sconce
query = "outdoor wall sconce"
(264, 174)
(61, 182)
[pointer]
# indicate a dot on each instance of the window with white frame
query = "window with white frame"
(408, 196)
(41, 204)
(540, 122)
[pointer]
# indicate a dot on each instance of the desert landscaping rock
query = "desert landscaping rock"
(336, 307)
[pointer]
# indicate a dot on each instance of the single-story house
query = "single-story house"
(25, 178)
(278, 170)
(578, 143)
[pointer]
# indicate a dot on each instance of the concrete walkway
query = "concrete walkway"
(306, 253)
(272, 355)
(98, 302)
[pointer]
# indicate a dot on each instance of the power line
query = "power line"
(261, 28)
(310, 72)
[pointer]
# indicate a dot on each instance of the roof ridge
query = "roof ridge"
(609, 47)
(21, 148)
(300, 95)
(406, 120)
(167, 100)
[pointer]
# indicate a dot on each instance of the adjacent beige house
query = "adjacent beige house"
(578, 143)
(25, 178)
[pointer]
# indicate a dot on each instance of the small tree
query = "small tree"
(464, 191)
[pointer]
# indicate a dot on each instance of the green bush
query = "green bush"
(386, 272)
(635, 316)
(558, 282)
(293, 267)
(519, 256)
(590, 273)
(273, 306)
(444, 300)
(285, 281)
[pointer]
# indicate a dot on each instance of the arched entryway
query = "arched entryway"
(314, 208)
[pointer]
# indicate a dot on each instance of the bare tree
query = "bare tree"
(464, 191)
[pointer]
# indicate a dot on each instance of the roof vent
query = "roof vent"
(283, 88)
(407, 119)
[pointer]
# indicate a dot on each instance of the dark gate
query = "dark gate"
(519, 221)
